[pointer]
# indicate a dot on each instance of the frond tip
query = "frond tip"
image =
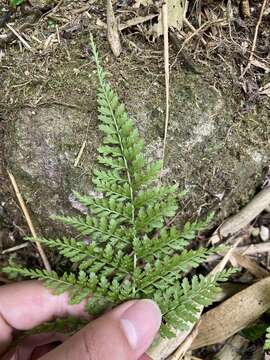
(126, 248)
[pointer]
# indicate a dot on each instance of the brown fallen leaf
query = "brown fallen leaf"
(234, 314)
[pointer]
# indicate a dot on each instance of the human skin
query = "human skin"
(124, 333)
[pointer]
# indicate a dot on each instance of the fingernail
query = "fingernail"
(140, 323)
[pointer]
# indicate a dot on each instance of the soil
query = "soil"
(218, 144)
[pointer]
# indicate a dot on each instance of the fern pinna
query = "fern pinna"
(130, 253)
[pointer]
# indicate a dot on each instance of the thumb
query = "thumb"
(124, 333)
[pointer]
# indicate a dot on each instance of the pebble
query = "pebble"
(264, 233)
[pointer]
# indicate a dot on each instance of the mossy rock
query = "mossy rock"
(216, 154)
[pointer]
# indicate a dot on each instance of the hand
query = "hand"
(124, 333)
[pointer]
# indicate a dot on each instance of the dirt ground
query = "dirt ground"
(218, 144)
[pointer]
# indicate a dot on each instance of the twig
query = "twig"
(53, 9)
(234, 314)
(250, 265)
(167, 75)
(245, 250)
(24, 42)
(136, 21)
(192, 28)
(244, 217)
(76, 163)
(203, 27)
(133, 22)
(254, 39)
(29, 221)
(15, 248)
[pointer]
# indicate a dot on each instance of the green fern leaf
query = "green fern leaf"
(125, 248)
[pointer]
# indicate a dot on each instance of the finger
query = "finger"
(28, 304)
(122, 334)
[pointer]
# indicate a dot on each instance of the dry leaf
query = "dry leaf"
(176, 14)
(234, 314)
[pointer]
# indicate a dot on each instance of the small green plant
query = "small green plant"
(126, 249)
(267, 339)
(15, 3)
(258, 332)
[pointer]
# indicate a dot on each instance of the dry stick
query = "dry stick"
(192, 28)
(250, 265)
(24, 42)
(15, 248)
(255, 39)
(245, 250)
(203, 27)
(138, 20)
(244, 217)
(234, 314)
(112, 30)
(29, 222)
(167, 75)
(78, 158)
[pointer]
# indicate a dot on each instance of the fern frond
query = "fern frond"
(75, 286)
(75, 250)
(127, 249)
(98, 229)
(172, 265)
(152, 195)
(149, 174)
(109, 176)
(166, 243)
(118, 192)
(107, 207)
(153, 216)
(190, 230)
(180, 307)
